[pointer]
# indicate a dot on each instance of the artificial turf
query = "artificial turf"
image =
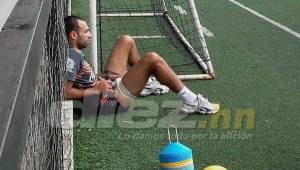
(257, 68)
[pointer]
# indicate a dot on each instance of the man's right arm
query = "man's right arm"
(74, 93)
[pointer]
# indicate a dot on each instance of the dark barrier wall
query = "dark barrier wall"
(21, 45)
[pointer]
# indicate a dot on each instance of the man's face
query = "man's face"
(83, 34)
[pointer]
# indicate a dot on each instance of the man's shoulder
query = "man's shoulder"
(75, 55)
(74, 60)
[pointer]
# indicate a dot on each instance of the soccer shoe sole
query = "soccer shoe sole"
(191, 109)
(148, 92)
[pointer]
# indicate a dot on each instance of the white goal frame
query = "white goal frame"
(205, 65)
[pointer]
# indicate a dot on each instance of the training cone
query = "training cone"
(175, 155)
(214, 167)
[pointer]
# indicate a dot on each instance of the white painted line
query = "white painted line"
(207, 32)
(285, 28)
(147, 36)
(183, 12)
(180, 9)
(125, 121)
(130, 14)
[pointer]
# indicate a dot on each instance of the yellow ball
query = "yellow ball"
(214, 167)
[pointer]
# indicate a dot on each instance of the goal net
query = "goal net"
(169, 27)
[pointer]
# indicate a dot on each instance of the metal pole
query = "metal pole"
(201, 36)
(69, 7)
(93, 28)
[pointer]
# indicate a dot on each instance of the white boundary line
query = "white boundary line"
(207, 32)
(147, 36)
(181, 11)
(285, 28)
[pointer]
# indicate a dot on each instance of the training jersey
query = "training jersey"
(79, 71)
(81, 74)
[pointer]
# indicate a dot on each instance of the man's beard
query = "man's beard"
(82, 45)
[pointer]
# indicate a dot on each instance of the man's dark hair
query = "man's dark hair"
(71, 23)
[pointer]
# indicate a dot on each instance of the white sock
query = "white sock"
(187, 95)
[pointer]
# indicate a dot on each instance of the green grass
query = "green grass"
(257, 67)
(283, 11)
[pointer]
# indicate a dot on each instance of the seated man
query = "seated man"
(120, 80)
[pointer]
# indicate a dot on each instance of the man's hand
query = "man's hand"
(111, 76)
(105, 86)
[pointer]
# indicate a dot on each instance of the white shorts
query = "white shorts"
(122, 94)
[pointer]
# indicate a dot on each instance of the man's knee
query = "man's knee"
(126, 39)
(152, 57)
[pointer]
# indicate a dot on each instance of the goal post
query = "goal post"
(176, 22)
(201, 37)
(93, 29)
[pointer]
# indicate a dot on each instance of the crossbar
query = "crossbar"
(151, 14)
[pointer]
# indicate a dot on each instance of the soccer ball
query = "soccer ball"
(214, 167)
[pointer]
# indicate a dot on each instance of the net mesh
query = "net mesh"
(152, 33)
(44, 143)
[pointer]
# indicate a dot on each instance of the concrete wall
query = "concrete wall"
(5, 9)
(22, 47)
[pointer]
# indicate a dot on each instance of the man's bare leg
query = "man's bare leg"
(123, 54)
(137, 76)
